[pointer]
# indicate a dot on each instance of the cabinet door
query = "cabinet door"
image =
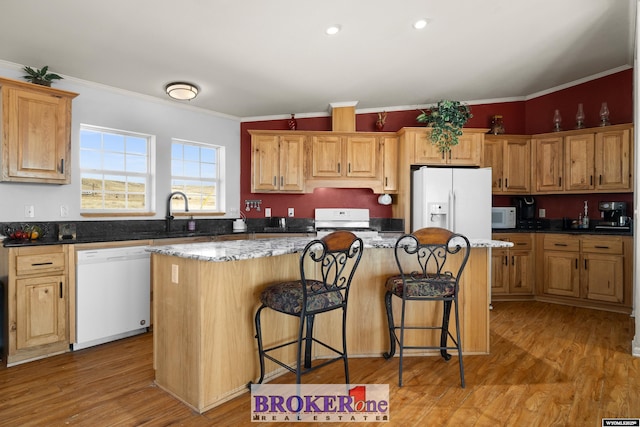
(426, 153)
(326, 156)
(549, 164)
(579, 152)
(517, 166)
(390, 164)
(264, 163)
(40, 311)
(37, 136)
(468, 152)
(499, 271)
(362, 156)
(603, 277)
(521, 272)
(291, 163)
(613, 160)
(561, 274)
(493, 159)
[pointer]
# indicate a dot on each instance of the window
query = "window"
(116, 172)
(196, 170)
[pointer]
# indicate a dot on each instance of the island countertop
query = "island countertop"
(237, 250)
(205, 296)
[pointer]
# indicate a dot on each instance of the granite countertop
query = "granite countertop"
(236, 250)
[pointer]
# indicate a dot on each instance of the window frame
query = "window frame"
(219, 180)
(149, 177)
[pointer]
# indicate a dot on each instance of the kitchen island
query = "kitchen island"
(205, 296)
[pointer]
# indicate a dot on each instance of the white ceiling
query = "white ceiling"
(256, 58)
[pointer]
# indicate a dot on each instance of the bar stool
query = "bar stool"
(430, 261)
(327, 267)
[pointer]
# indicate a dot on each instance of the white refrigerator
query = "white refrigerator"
(458, 199)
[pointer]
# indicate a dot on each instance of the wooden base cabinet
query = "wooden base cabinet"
(513, 269)
(586, 270)
(37, 302)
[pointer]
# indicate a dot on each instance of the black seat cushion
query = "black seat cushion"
(420, 286)
(286, 297)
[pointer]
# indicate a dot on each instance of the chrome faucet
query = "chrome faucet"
(169, 217)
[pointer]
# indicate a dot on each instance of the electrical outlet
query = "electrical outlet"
(290, 212)
(29, 211)
(542, 213)
(267, 212)
(174, 274)
(64, 211)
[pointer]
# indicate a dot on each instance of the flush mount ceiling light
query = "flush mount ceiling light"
(332, 30)
(181, 90)
(420, 24)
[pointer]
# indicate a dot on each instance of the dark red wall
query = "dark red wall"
(616, 90)
(521, 117)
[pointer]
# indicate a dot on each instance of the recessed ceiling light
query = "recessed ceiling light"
(332, 30)
(420, 24)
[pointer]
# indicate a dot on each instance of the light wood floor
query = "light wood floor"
(549, 365)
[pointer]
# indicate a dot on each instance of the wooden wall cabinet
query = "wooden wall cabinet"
(587, 270)
(36, 133)
(509, 157)
(513, 268)
(389, 164)
(585, 160)
(277, 163)
(468, 152)
(37, 302)
(300, 161)
(337, 156)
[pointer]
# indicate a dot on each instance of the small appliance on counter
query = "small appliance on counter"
(614, 216)
(239, 225)
(526, 213)
(525, 207)
(503, 218)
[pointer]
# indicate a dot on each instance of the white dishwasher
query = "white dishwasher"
(112, 294)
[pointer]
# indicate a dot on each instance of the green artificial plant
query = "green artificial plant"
(41, 76)
(446, 120)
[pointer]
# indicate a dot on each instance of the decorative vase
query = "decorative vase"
(293, 124)
(604, 115)
(580, 117)
(382, 118)
(557, 121)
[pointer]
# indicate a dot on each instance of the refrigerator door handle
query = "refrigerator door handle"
(452, 211)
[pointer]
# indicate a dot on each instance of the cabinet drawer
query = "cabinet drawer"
(561, 242)
(602, 246)
(521, 242)
(36, 263)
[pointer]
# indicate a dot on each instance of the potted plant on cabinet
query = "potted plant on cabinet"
(41, 76)
(446, 120)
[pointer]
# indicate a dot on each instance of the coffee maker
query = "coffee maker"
(526, 212)
(614, 215)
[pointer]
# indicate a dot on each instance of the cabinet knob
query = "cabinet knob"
(13, 327)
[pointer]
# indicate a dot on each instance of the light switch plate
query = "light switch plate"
(267, 212)
(542, 213)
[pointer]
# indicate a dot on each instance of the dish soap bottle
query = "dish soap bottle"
(191, 225)
(585, 218)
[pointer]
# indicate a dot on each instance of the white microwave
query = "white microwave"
(503, 217)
